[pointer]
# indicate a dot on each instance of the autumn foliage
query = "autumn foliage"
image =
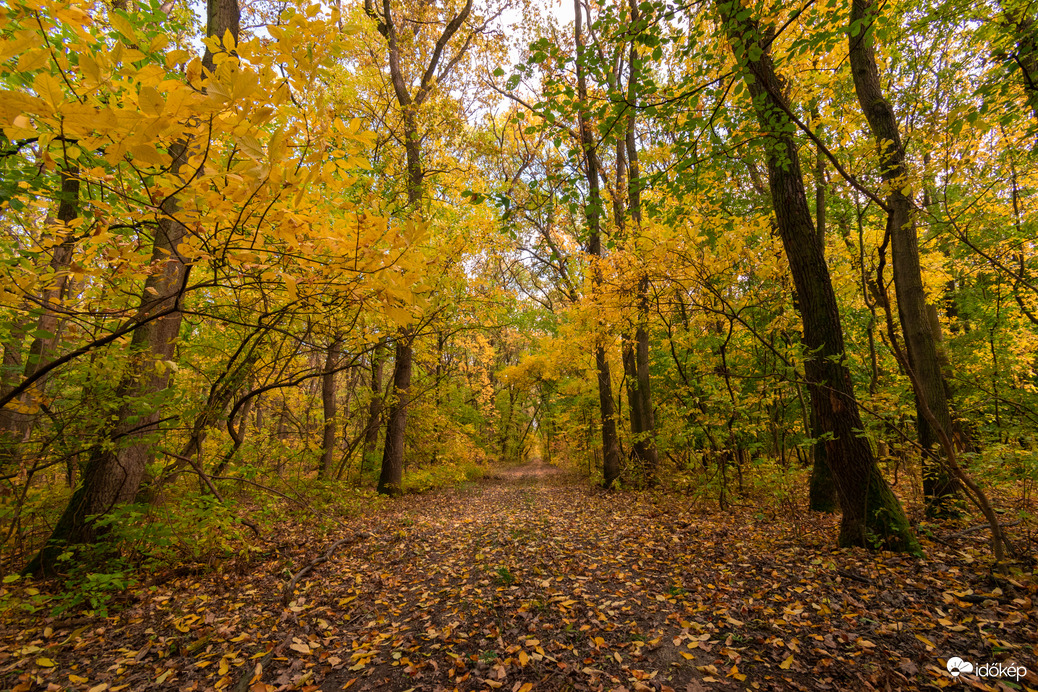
(746, 291)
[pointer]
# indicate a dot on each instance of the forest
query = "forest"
(494, 344)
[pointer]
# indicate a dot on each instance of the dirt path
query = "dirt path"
(531, 580)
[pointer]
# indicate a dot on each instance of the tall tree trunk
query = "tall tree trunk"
(328, 396)
(374, 406)
(16, 426)
(939, 487)
(390, 481)
(645, 438)
(872, 515)
(116, 468)
(393, 452)
(592, 213)
(822, 489)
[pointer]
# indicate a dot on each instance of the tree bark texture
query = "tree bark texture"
(374, 406)
(393, 453)
(913, 312)
(643, 423)
(391, 479)
(115, 469)
(328, 397)
(592, 213)
(871, 514)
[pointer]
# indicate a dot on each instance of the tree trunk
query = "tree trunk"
(822, 486)
(872, 515)
(374, 407)
(393, 452)
(15, 426)
(592, 212)
(115, 468)
(939, 488)
(328, 395)
(645, 438)
(390, 481)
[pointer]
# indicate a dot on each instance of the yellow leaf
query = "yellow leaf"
(523, 658)
(527, 686)
(147, 155)
(78, 679)
(49, 89)
(33, 60)
(787, 663)
(194, 72)
(123, 26)
(45, 662)
(151, 101)
(926, 641)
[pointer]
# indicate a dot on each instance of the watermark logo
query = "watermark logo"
(956, 666)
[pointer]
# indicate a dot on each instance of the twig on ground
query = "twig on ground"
(286, 595)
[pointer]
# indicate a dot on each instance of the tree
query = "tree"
(411, 91)
(592, 215)
(114, 474)
(871, 514)
(914, 313)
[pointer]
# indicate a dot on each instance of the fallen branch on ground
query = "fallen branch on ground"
(286, 595)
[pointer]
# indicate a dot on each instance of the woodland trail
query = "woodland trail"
(531, 580)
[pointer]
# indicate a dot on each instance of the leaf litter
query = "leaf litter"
(531, 580)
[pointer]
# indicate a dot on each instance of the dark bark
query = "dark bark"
(592, 213)
(408, 102)
(822, 486)
(16, 426)
(374, 406)
(939, 488)
(643, 423)
(872, 515)
(115, 469)
(328, 397)
(391, 479)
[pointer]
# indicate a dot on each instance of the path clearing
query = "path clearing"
(531, 580)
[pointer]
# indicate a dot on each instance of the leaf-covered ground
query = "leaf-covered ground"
(530, 581)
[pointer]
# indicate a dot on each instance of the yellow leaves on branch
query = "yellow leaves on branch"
(269, 182)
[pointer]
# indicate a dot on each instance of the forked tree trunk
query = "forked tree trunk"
(392, 473)
(872, 516)
(643, 420)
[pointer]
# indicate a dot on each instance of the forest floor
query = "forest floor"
(531, 580)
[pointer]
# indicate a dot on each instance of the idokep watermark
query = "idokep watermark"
(957, 666)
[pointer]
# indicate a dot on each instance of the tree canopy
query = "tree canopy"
(298, 253)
